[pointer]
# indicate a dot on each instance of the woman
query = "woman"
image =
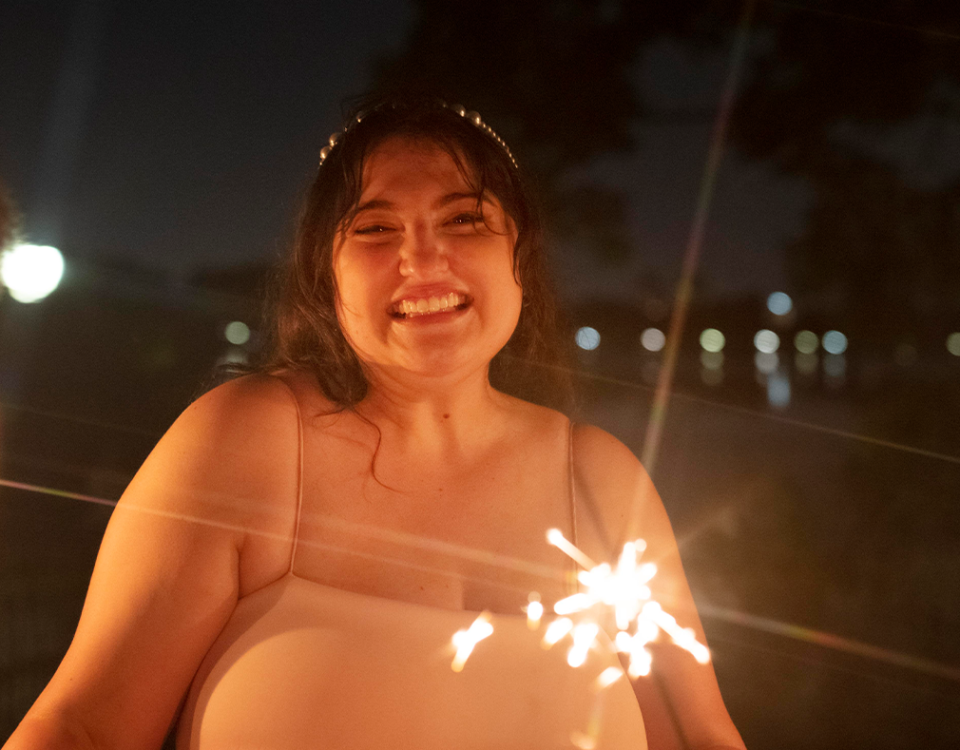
(298, 550)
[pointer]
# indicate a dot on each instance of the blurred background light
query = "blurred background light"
(711, 360)
(233, 356)
(31, 272)
(834, 342)
(778, 390)
(766, 341)
(237, 333)
(779, 303)
(712, 340)
(766, 362)
(711, 377)
(653, 339)
(806, 363)
(806, 342)
(953, 344)
(835, 366)
(588, 338)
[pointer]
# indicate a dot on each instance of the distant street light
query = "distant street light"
(31, 272)
(779, 303)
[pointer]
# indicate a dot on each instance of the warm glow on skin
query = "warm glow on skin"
(419, 234)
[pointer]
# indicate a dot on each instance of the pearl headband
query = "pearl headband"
(471, 116)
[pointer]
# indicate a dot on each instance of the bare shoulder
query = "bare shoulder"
(614, 490)
(231, 457)
(534, 418)
(251, 400)
(254, 412)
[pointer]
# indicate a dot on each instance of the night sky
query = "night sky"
(179, 135)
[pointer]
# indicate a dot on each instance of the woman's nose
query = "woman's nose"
(421, 254)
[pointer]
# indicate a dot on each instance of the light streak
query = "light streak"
(466, 640)
(691, 257)
(556, 630)
(607, 677)
(557, 539)
(584, 635)
(763, 415)
(834, 642)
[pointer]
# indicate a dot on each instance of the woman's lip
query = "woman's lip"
(432, 315)
(413, 305)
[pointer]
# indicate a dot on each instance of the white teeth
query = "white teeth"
(428, 306)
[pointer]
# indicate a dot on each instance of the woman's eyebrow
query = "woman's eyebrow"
(380, 203)
(453, 197)
(374, 204)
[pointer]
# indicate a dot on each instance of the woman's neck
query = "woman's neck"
(435, 416)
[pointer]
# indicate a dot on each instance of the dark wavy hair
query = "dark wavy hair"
(306, 331)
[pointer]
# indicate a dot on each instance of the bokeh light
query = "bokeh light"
(834, 342)
(712, 340)
(237, 333)
(711, 360)
(31, 272)
(588, 338)
(766, 362)
(233, 356)
(953, 344)
(806, 342)
(766, 341)
(805, 363)
(778, 390)
(835, 366)
(779, 303)
(711, 377)
(653, 339)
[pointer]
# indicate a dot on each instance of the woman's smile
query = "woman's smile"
(414, 307)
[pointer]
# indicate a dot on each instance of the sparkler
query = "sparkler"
(622, 589)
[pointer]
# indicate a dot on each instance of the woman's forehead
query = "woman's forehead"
(404, 163)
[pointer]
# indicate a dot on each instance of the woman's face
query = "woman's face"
(425, 285)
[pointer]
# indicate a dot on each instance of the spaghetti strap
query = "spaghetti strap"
(296, 526)
(571, 479)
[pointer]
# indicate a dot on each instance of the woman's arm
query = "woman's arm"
(681, 702)
(218, 489)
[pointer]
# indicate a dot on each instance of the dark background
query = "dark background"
(162, 147)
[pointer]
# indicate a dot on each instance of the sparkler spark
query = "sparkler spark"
(465, 640)
(534, 610)
(623, 589)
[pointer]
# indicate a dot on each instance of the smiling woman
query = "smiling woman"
(425, 269)
(290, 566)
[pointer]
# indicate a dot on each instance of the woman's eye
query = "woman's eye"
(371, 229)
(466, 219)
